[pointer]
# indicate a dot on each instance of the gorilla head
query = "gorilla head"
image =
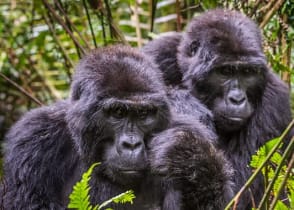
(222, 61)
(117, 106)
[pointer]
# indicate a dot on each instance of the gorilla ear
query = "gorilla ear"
(76, 91)
(194, 47)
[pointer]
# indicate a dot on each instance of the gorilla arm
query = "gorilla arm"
(38, 159)
(186, 156)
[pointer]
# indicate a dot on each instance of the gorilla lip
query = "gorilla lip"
(236, 119)
(131, 172)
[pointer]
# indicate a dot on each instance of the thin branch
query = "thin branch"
(253, 11)
(71, 24)
(114, 30)
(289, 170)
(22, 90)
(90, 23)
(286, 47)
(254, 175)
(152, 10)
(178, 11)
(66, 57)
(277, 172)
(61, 22)
(271, 12)
(100, 16)
(137, 24)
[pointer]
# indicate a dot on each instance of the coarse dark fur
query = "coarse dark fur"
(168, 158)
(198, 59)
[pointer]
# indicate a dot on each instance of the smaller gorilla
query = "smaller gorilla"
(219, 59)
(118, 114)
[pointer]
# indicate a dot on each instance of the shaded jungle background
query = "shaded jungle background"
(42, 40)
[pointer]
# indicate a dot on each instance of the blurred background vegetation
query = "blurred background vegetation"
(42, 40)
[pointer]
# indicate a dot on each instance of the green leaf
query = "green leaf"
(79, 198)
(126, 197)
(263, 152)
(281, 206)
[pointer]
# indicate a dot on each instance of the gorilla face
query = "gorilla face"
(132, 124)
(232, 93)
(223, 65)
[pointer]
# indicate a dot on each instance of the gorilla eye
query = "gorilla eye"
(118, 112)
(194, 47)
(226, 71)
(246, 71)
(143, 113)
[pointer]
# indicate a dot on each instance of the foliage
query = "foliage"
(276, 162)
(41, 41)
(80, 198)
(277, 171)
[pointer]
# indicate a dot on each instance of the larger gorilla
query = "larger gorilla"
(118, 114)
(220, 60)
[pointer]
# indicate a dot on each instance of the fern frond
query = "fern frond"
(79, 198)
(125, 197)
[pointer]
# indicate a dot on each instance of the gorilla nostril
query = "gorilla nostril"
(131, 145)
(237, 100)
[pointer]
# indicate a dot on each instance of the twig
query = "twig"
(67, 58)
(100, 17)
(114, 31)
(152, 10)
(254, 175)
(61, 22)
(90, 23)
(137, 24)
(253, 11)
(21, 89)
(271, 12)
(71, 24)
(178, 11)
(277, 172)
(289, 169)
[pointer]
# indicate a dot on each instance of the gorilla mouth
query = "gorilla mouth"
(235, 119)
(130, 177)
(229, 123)
(132, 172)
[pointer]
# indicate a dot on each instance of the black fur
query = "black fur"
(227, 39)
(50, 147)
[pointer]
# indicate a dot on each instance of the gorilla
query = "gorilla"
(219, 59)
(120, 114)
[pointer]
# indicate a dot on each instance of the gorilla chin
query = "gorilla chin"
(225, 123)
(129, 177)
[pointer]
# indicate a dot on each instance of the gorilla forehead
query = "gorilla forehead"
(229, 31)
(125, 71)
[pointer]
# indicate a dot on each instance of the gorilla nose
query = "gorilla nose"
(236, 97)
(237, 100)
(130, 144)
